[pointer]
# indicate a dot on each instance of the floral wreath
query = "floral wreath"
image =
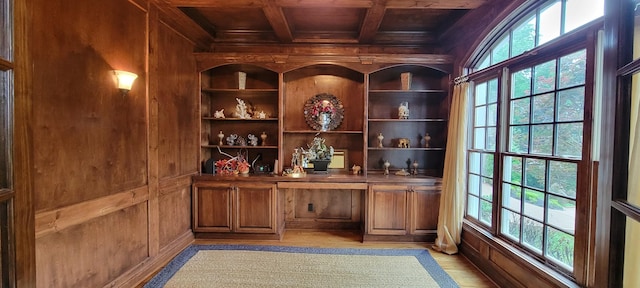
(323, 103)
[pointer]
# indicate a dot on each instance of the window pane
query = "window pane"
(569, 140)
(487, 189)
(521, 83)
(580, 12)
(473, 203)
(481, 94)
(571, 104)
(510, 224)
(562, 213)
(520, 111)
(560, 247)
(550, 23)
(485, 62)
(474, 162)
(534, 173)
(563, 178)
(485, 217)
(545, 77)
(491, 139)
(487, 165)
(474, 185)
(573, 69)
(542, 139)
(511, 197)
(500, 51)
(480, 116)
(532, 234)
(492, 114)
(519, 139)
(534, 204)
(478, 138)
(512, 170)
(524, 37)
(543, 108)
(492, 93)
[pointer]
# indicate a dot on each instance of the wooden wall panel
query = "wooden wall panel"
(93, 253)
(174, 210)
(178, 100)
(88, 140)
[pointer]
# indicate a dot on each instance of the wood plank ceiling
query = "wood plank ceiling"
(409, 23)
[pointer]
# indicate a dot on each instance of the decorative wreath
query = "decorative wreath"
(323, 104)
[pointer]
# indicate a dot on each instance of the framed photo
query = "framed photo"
(339, 160)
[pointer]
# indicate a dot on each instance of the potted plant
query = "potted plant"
(319, 154)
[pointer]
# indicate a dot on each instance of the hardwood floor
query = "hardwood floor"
(458, 267)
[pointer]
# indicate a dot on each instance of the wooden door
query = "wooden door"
(387, 210)
(424, 202)
(212, 207)
(255, 208)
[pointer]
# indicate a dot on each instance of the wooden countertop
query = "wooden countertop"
(324, 178)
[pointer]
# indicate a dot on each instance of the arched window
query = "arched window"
(529, 158)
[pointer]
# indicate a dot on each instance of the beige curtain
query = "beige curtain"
(632, 250)
(452, 199)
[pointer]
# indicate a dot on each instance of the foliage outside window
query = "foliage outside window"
(522, 179)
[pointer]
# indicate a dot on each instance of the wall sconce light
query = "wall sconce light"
(124, 80)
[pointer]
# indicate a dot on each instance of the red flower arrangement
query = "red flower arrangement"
(232, 166)
(324, 106)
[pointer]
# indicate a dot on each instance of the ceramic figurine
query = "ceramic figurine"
(261, 115)
(219, 114)
(386, 167)
(221, 138)
(264, 138)
(253, 140)
(403, 110)
(427, 139)
(231, 139)
(356, 169)
(380, 137)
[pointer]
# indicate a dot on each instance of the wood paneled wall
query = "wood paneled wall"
(111, 172)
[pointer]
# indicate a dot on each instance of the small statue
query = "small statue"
(356, 169)
(414, 171)
(386, 167)
(253, 140)
(404, 143)
(231, 139)
(403, 110)
(219, 114)
(221, 138)
(427, 139)
(380, 137)
(264, 138)
(242, 111)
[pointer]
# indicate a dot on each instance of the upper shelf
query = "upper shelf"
(406, 91)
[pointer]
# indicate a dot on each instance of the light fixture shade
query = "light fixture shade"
(124, 79)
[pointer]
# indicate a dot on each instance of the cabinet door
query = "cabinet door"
(255, 208)
(212, 208)
(387, 210)
(424, 206)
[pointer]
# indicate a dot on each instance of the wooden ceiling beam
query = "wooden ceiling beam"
(326, 3)
(278, 21)
(183, 24)
(435, 4)
(372, 21)
(216, 3)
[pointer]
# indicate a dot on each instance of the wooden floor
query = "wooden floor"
(458, 267)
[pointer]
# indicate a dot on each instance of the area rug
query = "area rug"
(278, 266)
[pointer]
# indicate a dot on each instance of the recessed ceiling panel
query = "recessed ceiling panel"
(325, 19)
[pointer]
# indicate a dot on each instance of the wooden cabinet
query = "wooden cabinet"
(222, 90)
(235, 207)
(402, 212)
(423, 91)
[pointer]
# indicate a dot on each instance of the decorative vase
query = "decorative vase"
(320, 166)
(221, 138)
(324, 120)
(263, 136)
(380, 138)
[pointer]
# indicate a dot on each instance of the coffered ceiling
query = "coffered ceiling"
(366, 22)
